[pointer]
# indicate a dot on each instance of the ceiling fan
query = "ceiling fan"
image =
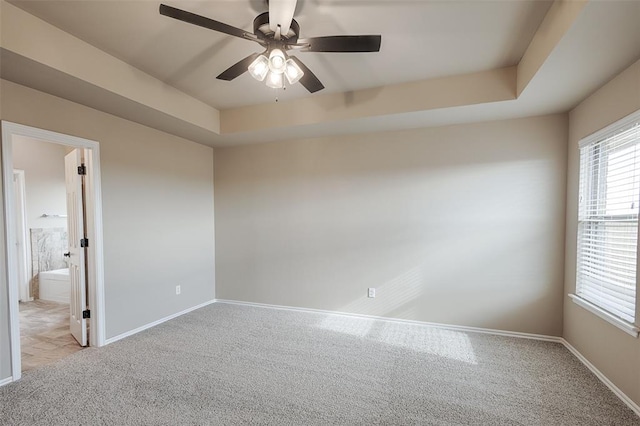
(278, 33)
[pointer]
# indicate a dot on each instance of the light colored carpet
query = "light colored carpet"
(228, 364)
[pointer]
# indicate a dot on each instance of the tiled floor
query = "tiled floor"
(44, 333)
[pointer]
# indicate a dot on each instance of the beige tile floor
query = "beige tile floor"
(44, 333)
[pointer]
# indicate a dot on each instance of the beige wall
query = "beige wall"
(458, 225)
(43, 164)
(157, 194)
(612, 351)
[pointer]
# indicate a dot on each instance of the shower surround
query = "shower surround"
(48, 246)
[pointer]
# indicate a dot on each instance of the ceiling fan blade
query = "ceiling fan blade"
(309, 79)
(343, 43)
(281, 13)
(192, 18)
(238, 68)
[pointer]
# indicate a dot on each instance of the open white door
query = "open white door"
(76, 254)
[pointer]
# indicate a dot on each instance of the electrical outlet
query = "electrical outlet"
(177, 289)
(372, 292)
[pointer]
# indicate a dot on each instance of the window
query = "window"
(609, 204)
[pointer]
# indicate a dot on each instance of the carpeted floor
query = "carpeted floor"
(228, 364)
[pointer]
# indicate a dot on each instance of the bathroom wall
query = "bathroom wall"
(48, 246)
(45, 194)
(43, 165)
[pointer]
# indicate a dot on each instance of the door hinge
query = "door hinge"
(82, 169)
(84, 242)
(86, 314)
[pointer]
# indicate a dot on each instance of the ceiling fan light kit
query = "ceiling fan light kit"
(293, 72)
(275, 80)
(274, 65)
(273, 68)
(259, 68)
(277, 61)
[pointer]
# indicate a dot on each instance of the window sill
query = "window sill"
(611, 319)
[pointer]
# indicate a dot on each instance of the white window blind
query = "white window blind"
(608, 218)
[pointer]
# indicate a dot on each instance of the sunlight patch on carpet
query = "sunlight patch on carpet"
(449, 344)
(358, 327)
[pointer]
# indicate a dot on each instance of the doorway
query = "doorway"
(83, 253)
(44, 172)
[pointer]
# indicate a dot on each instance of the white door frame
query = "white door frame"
(24, 259)
(94, 232)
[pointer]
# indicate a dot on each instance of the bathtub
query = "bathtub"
(54, 285)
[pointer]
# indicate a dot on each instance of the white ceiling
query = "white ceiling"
(420, 40)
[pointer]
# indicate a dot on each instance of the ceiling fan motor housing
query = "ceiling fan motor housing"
(262, 30)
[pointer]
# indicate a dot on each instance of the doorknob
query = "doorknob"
(67, 254)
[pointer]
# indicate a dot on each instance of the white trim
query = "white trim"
(542, 337)
(94, 224)
(24, 256)
(628, 401)
(154, 323)
(10, 229)
(608, 129)
(6, 381)
(628, 328)
(95, 257)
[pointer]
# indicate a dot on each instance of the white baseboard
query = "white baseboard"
(404, 321)
(6, 381)
(635, 407)
(153, 324)
(542, 337)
